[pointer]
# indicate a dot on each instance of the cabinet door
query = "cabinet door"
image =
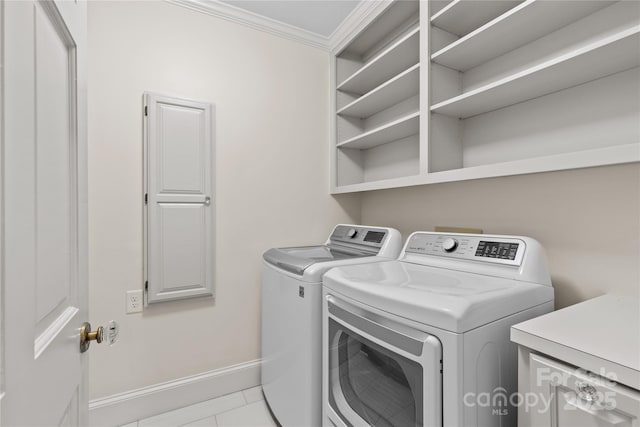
(179, 200)
(565, 396)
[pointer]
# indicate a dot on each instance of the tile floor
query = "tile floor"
(244, 408)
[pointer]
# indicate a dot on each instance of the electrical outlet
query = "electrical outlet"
(134, 301)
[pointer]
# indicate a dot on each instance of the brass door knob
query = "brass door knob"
(86, 336)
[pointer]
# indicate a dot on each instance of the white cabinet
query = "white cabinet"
(570, 397)
(179, 208)
(430, 93)
(580, 366)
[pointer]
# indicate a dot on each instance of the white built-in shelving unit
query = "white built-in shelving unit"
(377, 99)
(442, 91)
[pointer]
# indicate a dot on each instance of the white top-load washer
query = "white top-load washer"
(292, 315)
(424, 340)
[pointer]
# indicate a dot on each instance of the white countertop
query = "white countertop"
(601, 335)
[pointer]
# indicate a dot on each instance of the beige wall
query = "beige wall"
(272, 181)
(588, 220)
(272, 189)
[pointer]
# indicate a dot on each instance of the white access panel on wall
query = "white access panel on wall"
(179, 202)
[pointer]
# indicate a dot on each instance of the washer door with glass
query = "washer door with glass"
(380, 372)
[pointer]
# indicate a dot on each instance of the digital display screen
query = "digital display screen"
(374, 236)
(500, 250)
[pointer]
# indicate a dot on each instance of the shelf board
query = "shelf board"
(607, 56)
(397, 57)
(401, 87)
(524, 23)
(619, 154)
(398, 129)
(460, 17)
(405, 181)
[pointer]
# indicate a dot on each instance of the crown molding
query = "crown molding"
(249, 19)
(356, 21)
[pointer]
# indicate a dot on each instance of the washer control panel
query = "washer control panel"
(368, 237)
(472, 247)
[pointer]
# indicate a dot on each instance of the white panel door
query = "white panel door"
(179, 201)
(44, 377)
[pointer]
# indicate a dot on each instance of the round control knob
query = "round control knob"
(352, 233)
(450, 245)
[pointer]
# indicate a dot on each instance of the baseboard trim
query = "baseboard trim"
(144, 402)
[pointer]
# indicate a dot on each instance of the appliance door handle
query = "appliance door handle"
(386, 330)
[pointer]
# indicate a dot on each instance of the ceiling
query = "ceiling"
(320, 17)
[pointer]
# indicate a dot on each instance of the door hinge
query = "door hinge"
(146, 111)
(146, 198)
(146, 286)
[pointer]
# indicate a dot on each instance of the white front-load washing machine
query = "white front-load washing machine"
(424, 340)
(292, 315)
